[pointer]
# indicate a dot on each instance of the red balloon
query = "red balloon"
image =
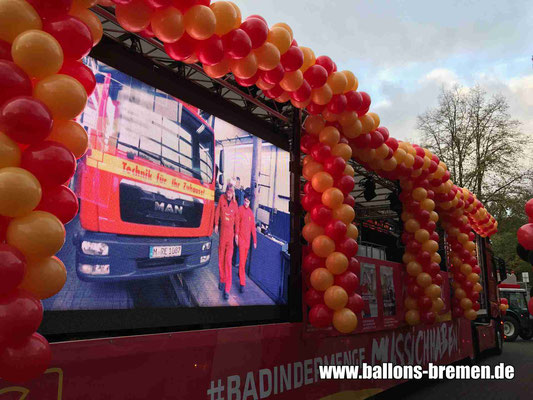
(155, 4)
(345, 183)
(320, 316)
(50, 162)
(428, 318)
(424, 303)
(321, 152)
(210, 51)
(530, 306)
(376, 139)
(354, 266)
(348, 281)
(362, 140)
(12, 268)
(72, 34)
(327, 63)
(275, 92)
(313, 297)
(257, 30)
(292, 59)
(335, 166)
(366, 102)
(303, 92)
(313, 108)
(321, 214)
(147, 32)
(25, 359)
(51, 8)
(20, 313)
(348, 247)
(307, 142)
(316, 76)
(184, 5)
(181, 49)
(274, 76)
(457, 311)
(248, 81)
(13, 81)
(5, 51)
(237, 44)
(529, 208)
(81, 73)
(25, 120)
(336, 229)
(354, 100)
(350, 200)
(525, 236)
(312, 262)
(355, 303)
(337, 104)
(60, 201)
(414, 290)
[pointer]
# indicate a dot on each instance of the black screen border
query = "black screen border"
(90, 324)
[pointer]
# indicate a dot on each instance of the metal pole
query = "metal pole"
(273, 180)
(256, 169)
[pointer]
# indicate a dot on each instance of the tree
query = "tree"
(484, 150)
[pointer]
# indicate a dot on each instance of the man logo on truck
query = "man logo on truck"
(169, 208)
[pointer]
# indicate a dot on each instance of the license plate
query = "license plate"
(165, 251)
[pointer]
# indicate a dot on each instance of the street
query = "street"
(518, 354)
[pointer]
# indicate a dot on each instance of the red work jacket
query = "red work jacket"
(246, 225)
(226, 217)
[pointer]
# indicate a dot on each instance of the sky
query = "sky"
(403, 52)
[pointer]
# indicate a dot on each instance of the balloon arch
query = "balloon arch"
(44, 86)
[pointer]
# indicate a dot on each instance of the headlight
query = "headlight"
(204, 259)
(94, 248)
(206, 246)
(94, 269)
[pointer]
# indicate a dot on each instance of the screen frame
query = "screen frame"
(89, 324)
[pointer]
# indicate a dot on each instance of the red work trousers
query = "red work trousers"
(243, 255)
(225, 253)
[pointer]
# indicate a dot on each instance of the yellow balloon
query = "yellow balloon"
(292, 81)
(352, 131)
(352, 231)
(321, 181)
(337, 263)
(344, 213)
(433, 291)
(338, 82)
(390, 164)
(410, 303)
(329, 135)
(342, 150)
(226, 17)
(322, 95)
(311, 231)
(411, 225)
(332, 198)
(348, 118)
(344, 320)
(309, 58)
(314, 124)
(413, 268)
(281, 38)
(311, 169)
(376, 119)
(427, 204)
(382, 151)
(470, 314)
(421, 235)
(438, 305)
(412, 317)
(323, 246)
(92, 21)
(37, 235)
(349, 171)
(368, 123)
(63, 95)
(9, 152)
(335, 297)
(420, 194)
(430, 246)
(351, 81)
(17, 16)
(423, 279)
(20, 192)
(268, 56)
(321, 279)
(44, 278)
(200, 22)
(244, 68)
(167, 24)
(71, 135)
(38, 53)
(286, 27)
(238, 20)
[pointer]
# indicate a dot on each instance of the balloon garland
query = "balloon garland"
(44, 86)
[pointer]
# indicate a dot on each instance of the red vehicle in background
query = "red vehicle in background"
(146, 188)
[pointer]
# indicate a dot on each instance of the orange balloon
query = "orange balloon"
(352, 231)
(399, 155)
(92, 21)
(329, 116)
(368, 155)
(20, 192)
(433, 291)
(376, 119)
(44, 278)
(421, 235)
(300, 104)
(408, 257)
(420, 194)
(368, 123)
(423, 279)
(473, 277)
(477, 288)
(238, 20)
(435, 257)
(351, 81)
(412, 317)
(134, 16)
(413, 268)
(268, 56)
(470, 246)
(337, 82)
(83, 4)
(470, 314)
(342, 150)
(335, 297)
(309, 58)
(167, 24)
(321, 181)
(427, 204)
(411, 225)
(337, 263)
(430, 246)
(200, 22)
(63, 95)
(332, 198)
(349, 171)
(465, 303)
(311, 169)
(280, 37)
(286, 96)
(438, 305)
(314, 124)
(321, 279)
(410, 303)
(352, 131)
(17, 16)
(433, 216)
(344, 213)
(72, 135)
(459, 294)
(390, 164)
(382, 151)
(244, 68)
(261, 84)
(329, 135)
(409, 160)
(292, 81)
(348, 118)
(9, 152)
(344, 320)
(466, 269)
(38, 53)
(322, 95)
(323, 246)
(284, 26)
(311, 230)
(226, 17)
(37, 235)
(218, 70)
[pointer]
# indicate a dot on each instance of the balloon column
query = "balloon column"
(504, 305)
(43, 87)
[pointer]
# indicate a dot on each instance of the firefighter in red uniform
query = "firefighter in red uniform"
(226, 216)
(245, 228)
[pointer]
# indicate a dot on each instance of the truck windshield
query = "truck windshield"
(517, 300)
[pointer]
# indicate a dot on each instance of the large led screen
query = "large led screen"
(178, 208)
